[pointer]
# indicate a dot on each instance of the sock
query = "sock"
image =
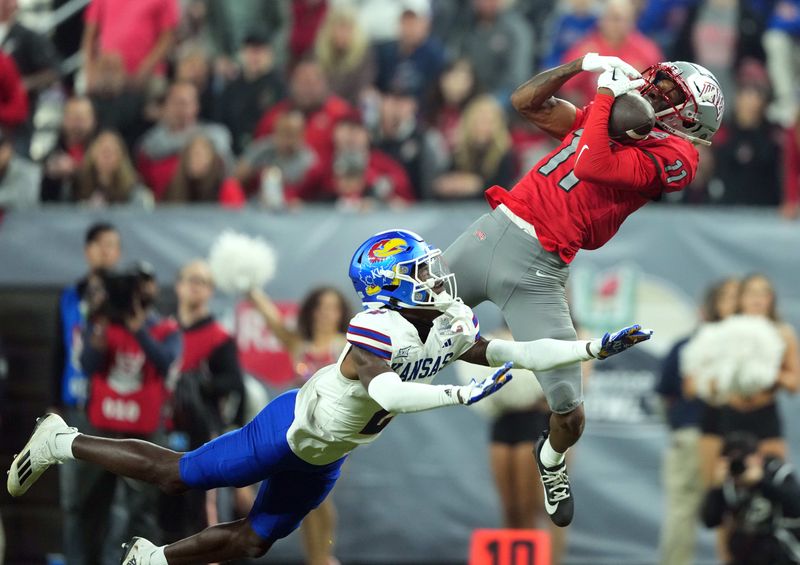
(158, 557)
(549, 456)
(62, 444)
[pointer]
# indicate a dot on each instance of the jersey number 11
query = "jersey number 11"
(569, 180)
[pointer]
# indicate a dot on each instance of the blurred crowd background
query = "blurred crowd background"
(117, 114)
(358, 102)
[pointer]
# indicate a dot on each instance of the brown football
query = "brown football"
(632, 117)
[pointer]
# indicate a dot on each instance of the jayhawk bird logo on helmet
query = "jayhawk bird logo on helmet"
(386, 248)
(397, 267)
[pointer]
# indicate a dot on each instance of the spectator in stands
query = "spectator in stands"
(142, 32)
(573, 20)
(748, 156)
(683, 487)
(107, 176)
(230, 23)
(790, 208)
(482, 156)
(67, 34)
(34, 53)
(359, 175)
(713, 36)
(344, 53)
(201, 177)
(285, 149)
(665, 23)
(421, 152)
(208, 396)
(257, 88)
(128, 353)
(13, 100)
(782, 46)
(117, 107)
(159, 149)
(20, 179)
(306, 19)
(616, 35)
(102, 251)
(724, 36)
(61, 165)
(415, 58)
(452, 92)
(317, 341)
(193, 66)
(309, 93)
(37, 62)
(500, 45)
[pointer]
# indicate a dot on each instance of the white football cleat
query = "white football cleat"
(37, 455)
(138, 551)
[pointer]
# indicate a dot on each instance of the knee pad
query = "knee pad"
(563, 398)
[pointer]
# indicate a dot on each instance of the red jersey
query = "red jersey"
(319, 123)
(128, 395)
(578, 195)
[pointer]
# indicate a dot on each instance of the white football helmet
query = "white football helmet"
(693, 108)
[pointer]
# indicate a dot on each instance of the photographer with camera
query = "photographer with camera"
(129, 353)
(760, 498)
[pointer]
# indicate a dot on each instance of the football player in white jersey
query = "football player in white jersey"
(413, 327)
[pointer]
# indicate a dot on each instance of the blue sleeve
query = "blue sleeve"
(92, 359)
(670, 381)
(162, 354)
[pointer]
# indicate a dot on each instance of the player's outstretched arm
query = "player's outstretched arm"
(535, 99)
(398, 397)
(547, 354)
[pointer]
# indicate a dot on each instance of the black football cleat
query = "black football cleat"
(557, 491)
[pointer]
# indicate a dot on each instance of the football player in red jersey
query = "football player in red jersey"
(575, 198)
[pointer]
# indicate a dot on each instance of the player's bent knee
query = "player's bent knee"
(249, 543)
(563, 397)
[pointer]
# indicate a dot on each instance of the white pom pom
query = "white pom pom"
(741, 355)
(240, 262)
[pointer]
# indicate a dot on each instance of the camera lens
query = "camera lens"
(737, 466)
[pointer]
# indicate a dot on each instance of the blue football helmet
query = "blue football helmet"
(398, 268)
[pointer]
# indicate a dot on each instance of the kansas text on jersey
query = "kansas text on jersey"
(334, 414)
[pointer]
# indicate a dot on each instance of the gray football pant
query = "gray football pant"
(495, 260)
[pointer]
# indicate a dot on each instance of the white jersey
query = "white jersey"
(333, 414)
